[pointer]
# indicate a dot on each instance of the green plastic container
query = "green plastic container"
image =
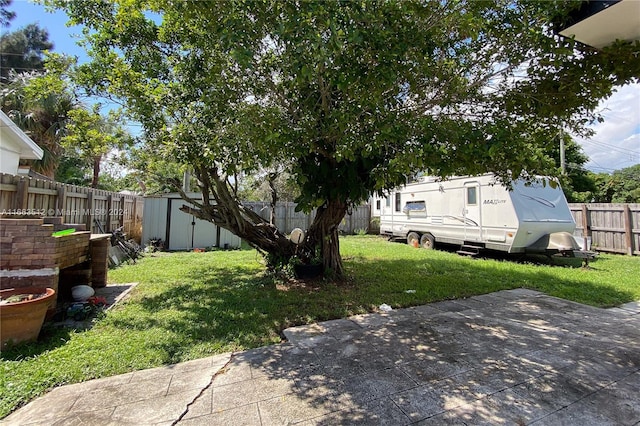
(63, 232)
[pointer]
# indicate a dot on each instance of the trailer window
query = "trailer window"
(414, 206)
(378, 204)
(472, 198)
(398, 201)
(387, 201)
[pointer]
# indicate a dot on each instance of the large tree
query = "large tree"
(353, 97)
(48, 106)
(91, 135)
(23, 50)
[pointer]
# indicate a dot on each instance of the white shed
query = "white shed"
(15, 145)
(164, 220)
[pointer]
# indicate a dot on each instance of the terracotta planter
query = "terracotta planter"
(21, 321)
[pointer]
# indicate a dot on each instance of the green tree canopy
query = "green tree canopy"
(626, 185)
(40, 106)
(23, 50)
(353, 97)
(577, 183)
(48, 107)
(266, 184)
(92, 136)
(6, 16)
(621, 186)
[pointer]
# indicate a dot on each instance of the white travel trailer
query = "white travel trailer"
(478, 213)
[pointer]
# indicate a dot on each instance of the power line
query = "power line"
(22, 54)
(25, 69)
(615, 117)
(599, 167)
(613, 147)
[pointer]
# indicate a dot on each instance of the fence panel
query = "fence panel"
(358, 220)
(612, 227)
(8, 190)
(101, 211)
(75, 207)
(287, 219)
(100, 207)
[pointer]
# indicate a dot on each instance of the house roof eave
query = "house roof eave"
(28, 149)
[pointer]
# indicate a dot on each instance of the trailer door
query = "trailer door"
(471, 212)
(386, 216)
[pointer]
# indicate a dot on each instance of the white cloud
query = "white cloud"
(616, 143)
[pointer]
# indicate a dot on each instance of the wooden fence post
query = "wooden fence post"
(134, 212)
(89, 211)
(627, 229)
(585, 226)
(22, 195)
(109, 211)
(61, 201)
(121, 212)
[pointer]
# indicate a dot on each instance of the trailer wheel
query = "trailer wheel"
(427, 241)
(413, 239)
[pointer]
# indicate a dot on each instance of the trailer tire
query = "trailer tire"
(413, 239)
(427, 241)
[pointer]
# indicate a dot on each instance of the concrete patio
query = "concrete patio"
(513, 357)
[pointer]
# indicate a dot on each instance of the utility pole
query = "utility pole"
(563, 164)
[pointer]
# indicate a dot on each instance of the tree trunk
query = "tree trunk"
(324, 232)
(96, 171)
(221, 206)
(226, 211)
(274, 197)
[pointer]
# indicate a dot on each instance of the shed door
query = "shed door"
(472, 214)
(186, 232)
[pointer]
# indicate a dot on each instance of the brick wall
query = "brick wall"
(28, 244)
(71, 249)
(31, 256)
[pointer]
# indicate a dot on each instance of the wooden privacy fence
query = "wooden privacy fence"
(100, 211)
(287, 218)
(611, 227)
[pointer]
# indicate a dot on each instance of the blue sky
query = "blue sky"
(615, 145)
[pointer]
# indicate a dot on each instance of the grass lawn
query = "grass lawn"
(192, 305)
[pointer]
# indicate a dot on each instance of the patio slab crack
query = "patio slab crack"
(202, 391)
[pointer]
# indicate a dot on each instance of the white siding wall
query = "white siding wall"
(154, 220)
(9, 161)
